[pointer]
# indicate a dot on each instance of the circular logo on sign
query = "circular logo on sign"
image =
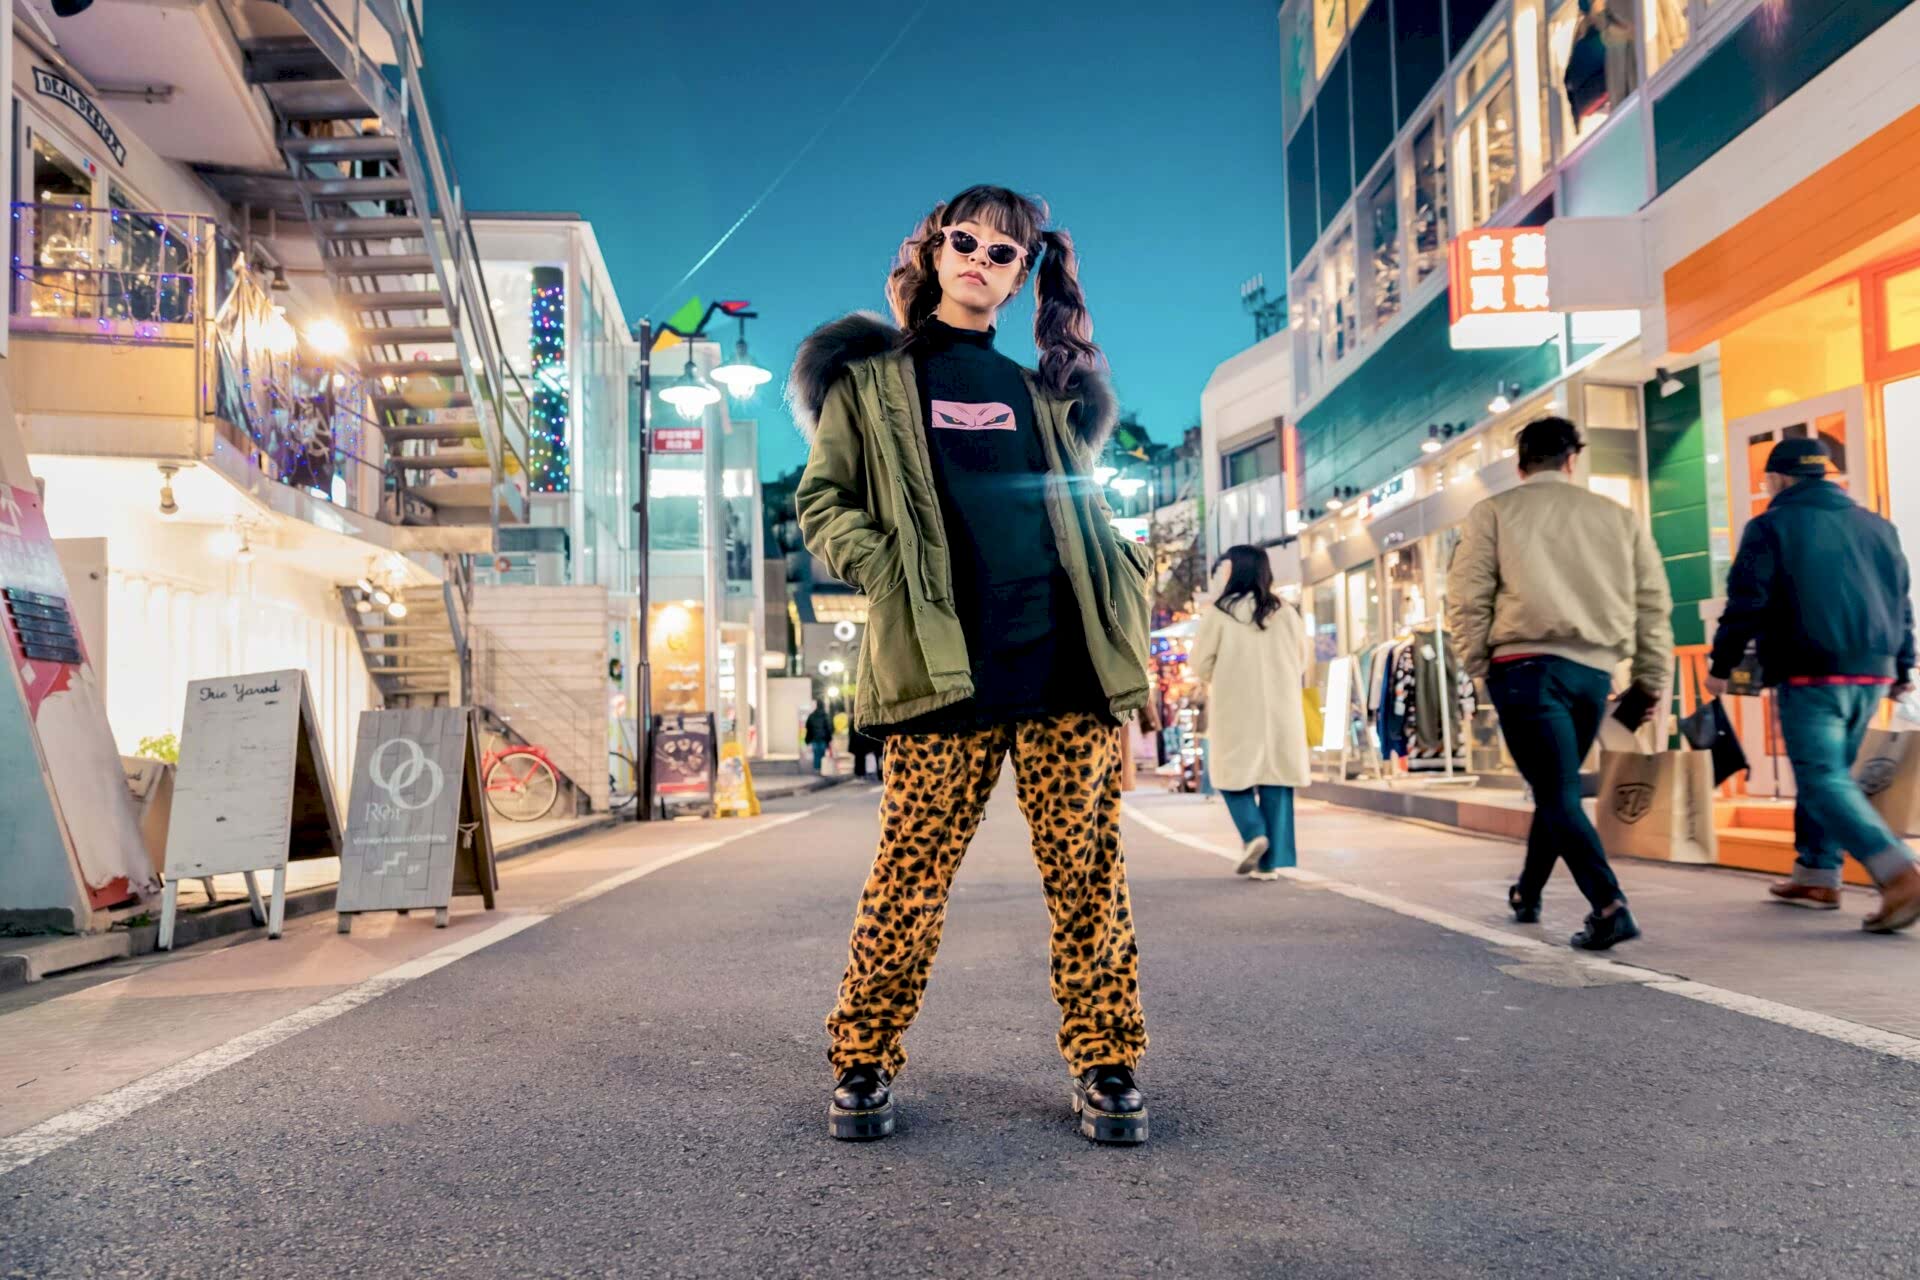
(1876, 775)
(405, 777)
(1631, 801)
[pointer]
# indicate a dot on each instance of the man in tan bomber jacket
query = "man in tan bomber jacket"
(1552, 588)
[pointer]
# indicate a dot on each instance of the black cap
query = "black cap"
(1800, 457)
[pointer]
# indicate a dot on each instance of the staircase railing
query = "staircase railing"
(436, 196)
(457, 587)
(538, 711)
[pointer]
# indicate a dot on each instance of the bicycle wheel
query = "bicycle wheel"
(522, 787)
(623, 780)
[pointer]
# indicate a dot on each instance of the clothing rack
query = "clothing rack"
(1449, 776)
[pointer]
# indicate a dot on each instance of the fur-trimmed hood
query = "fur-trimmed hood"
(835, 346)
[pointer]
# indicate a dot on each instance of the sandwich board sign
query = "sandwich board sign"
(417, 830)
(252, 791)
(685, 757)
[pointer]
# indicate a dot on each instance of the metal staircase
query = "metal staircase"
(414, 661)
(370, 177)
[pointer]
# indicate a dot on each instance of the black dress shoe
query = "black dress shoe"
(1524, 912)
(1604, 931)
(1109, 1105)
(862, 1106)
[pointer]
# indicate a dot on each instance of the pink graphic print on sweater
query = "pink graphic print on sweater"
(954, 416)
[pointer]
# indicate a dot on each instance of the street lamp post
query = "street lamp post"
(743, 378)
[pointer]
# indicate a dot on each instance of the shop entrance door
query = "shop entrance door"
(1839, 420)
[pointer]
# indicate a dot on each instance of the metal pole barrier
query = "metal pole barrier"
(643, 781)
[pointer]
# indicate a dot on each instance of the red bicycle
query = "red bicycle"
(522, 784)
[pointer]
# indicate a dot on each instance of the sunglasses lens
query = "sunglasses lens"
(962, 242)
(1002, 255)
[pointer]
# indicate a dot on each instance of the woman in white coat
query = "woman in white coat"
(1252, 654)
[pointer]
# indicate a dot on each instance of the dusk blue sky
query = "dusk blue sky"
(1153, 130)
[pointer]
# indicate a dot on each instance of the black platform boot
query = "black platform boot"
(1605, 931)
(862, 1106)
(1524, 912)
(1109, 1105)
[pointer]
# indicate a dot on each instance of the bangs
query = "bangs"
(1011, 214)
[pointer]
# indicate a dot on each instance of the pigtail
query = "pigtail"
(1062, 329)
(913, 285)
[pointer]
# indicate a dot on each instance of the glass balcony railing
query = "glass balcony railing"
(121, 272)
(129, 277)
(1253, 513)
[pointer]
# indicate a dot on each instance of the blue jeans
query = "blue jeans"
(819, 754)
(1823, 725)
(1550, 710)
(1266, 811)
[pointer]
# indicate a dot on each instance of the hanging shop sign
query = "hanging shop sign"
(679, 439)
(64, 802)
(1497, 289)
(252, 791)
(417, 830)
(49, 85)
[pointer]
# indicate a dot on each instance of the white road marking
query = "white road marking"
(50, 1135)
(1856, 1034)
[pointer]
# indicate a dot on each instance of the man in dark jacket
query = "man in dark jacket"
(1821, 584)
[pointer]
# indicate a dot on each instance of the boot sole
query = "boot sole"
(1894, 921)
(1125, 1129)
(1806, 904)
(860, 1126)
(1615, 941)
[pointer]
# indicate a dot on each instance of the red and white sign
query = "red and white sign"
(1497, 289)
(679, 439)
(61, 698)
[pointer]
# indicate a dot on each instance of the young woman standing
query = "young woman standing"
(1005, 617)
(1252, 653)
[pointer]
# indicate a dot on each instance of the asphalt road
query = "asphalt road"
(637, 1087)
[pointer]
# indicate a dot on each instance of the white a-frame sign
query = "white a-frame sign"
(417, 830)
(252, 791)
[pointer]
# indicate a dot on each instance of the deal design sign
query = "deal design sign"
(1497, 289)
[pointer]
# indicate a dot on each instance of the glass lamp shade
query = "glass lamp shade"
(689, 393)
(1127, 486)
(740, 375)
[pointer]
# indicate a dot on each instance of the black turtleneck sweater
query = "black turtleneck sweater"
(1016, 605)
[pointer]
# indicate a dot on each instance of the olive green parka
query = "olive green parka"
(869, 509)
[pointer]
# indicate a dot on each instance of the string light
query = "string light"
(549, 464)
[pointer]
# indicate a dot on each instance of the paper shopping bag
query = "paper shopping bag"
(1657, 805)
(1316, 723)
(1888, 770)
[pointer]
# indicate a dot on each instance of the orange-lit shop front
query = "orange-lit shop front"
(1814, 302)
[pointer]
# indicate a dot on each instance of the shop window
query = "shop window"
(1363, 608)
(1339, 285)
(1329, 30)
(1531, 96)
(1486, 149)
(1797, 352)
(1309, 336)
(1379, 216)
(148, 263)
(1325, 623)
(63, 280)
(1667, 28)
(1297, 75)
(1900, 301)
(1406, 588)
(1428, 176)
(1255, 462)
(1591, 61)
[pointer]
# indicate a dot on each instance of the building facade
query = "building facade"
(1617, 211)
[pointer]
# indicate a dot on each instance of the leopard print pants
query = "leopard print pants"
(1067, 770)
